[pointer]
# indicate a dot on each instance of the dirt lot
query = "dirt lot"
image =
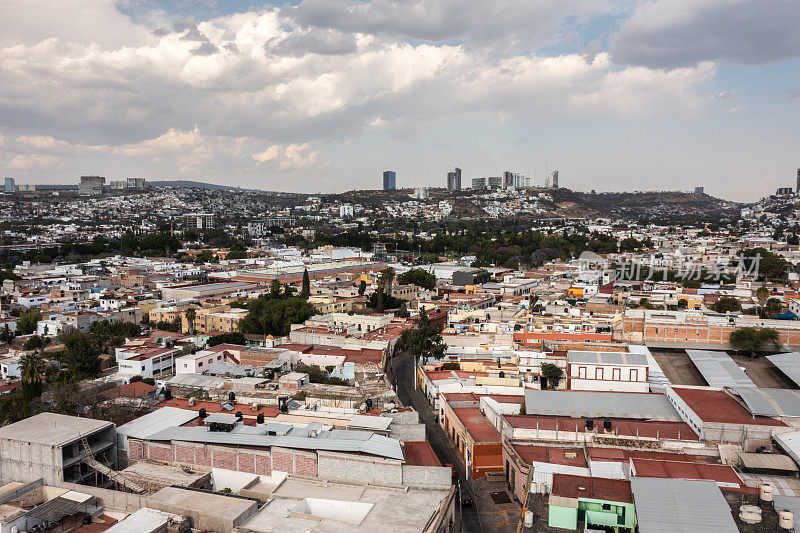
(680, 370)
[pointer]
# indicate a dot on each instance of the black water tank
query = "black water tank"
(589, 423)
(167, 394)
(260, 418)
(502, 374)
(239, 415)
(369, 404)
(231, 397)
(203, 413)
(607, 424)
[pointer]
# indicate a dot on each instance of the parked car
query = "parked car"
(465, 498)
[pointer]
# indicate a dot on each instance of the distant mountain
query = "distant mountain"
(188, 184)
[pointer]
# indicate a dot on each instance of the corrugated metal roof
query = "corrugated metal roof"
(767, 461)
(718, 369)
(790, 443)
(606, 358)
(150, 423)
(380, 423)
(680, 506)
(196, 380)
(221, 418)
(375, 445)
(578, 404)
(770, 402)
(656, 378)
(789, 364)
(788, 503)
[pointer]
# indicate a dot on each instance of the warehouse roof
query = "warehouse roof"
(770, 402)
(680, 506)
(600, 404)
(302, 438)
(718, 369)
(159, 419)
(788, 363)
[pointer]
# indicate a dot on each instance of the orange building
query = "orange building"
(475, 438)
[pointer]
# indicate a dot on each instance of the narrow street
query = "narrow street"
(401, 372)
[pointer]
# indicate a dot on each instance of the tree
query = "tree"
(275, 316)
(552, 373)
(762, 295)
(275, 289)
(34, 343)
(6, 335)
(305, 292)
(764, 263)
(81, 356)
(418, 277)
(451, 365)
(727, 304)
(774, 307)
(362, 287)
(385, 279)
(26, 324)
(752, 340)
(32, 367)
(235, 337)
(191, 315)
(423, 339)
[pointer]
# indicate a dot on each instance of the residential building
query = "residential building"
(8, 186)
(199, 221)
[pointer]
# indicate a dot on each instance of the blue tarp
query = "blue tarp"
(786, 316)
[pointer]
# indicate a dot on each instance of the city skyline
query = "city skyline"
(617, 95)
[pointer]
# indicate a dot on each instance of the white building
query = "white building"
(147, 361)
(607, 371)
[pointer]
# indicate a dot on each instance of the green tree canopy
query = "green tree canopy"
(727, 304)
(82, 356)
(418, 277)
(423, 339)
(269, 315)
(236, 337)
(752, 340)
(26, 324)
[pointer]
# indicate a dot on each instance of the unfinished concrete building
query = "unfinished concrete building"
(51, 447)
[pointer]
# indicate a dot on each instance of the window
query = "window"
(615, 374)
(581, 372)
(200, 364)
(634, 374)
(598, 373)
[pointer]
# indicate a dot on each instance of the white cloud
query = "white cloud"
(34, 161)
(256, 90)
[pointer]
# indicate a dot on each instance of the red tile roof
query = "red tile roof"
(610, 490)
(546, 454)
(724, 475)
(629, 428)
(215, 407)
(477, 425)
(713, 405)
(420, 453)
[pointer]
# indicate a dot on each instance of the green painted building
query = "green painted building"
(593, 501)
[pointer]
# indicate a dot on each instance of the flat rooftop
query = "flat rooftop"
(349, 507)
(477, 425)
(51, 429)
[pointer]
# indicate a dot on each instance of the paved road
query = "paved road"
(401, 372)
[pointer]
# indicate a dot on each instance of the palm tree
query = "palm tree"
(32, 366)
(191, 314)
(386, 278)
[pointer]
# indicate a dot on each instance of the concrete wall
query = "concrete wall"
(427, 477)
(111, 499)
(21, 461)
(365, 469)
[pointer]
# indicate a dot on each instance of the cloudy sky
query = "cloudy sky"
(323, 95)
